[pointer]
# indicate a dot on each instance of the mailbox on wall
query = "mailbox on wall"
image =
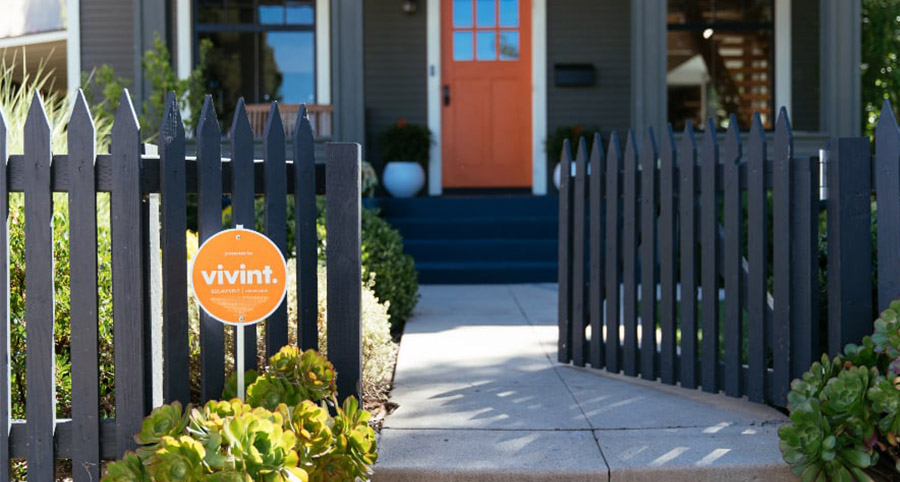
(575, 75)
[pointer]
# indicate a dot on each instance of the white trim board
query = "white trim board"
(783, 43)
(538, 95)
(323, 52)
(73, 47)
(34, 38)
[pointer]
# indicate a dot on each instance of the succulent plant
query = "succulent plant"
(230, 390)
(268, 391)
(354, 438)
(283, 432)
(311, 424)
(167, 420)
(845, 413)
(317, 376)
(176, 459)
(129, 469)
(263, 449)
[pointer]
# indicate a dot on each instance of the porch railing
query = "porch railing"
(319, 117)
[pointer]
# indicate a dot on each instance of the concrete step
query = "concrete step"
(486, 272)
(468, 250)
(484, 206)
(511, 227)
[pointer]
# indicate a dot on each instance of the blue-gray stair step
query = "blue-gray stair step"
(529, 227)
(486, 272)
(469, 250)
(467, 206)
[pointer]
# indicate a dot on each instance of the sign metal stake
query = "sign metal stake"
(240, 351)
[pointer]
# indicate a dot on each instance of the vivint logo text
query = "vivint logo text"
(241, 276)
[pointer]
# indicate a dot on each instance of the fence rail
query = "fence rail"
(131, 178)
(646, 233)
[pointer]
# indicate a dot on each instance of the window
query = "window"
(262, 50)
(720, 61)
(485, 30)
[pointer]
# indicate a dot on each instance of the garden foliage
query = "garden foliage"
(845, 412)
(286, 431)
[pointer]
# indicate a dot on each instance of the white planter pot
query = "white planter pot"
(403, 179)
(556, 172)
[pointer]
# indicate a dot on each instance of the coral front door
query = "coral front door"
(486, 93)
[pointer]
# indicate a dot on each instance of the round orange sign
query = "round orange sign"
(239, 277)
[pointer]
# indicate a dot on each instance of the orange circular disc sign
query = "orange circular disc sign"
(239, 277)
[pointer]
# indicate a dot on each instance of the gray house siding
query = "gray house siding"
(805, 52)
(598, 33)
(395, 71)
(108, 36)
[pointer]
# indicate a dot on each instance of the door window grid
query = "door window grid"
(485, 30)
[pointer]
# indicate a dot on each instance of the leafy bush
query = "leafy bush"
(392, 272)
(378, 347)
(406, 142)
(272, 437)
(845, 412)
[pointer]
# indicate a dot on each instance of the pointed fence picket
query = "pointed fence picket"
(703, 257)
(130, 178)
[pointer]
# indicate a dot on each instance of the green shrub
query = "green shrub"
(281, 433)
(392, 272)
(845, 412)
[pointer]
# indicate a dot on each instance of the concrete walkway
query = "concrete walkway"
(482, 399)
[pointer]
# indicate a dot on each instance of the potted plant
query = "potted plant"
(555, 143)
(405, 148)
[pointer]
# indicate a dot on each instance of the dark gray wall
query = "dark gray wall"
(395, 71)
(805, 50)
(108, 36)
(596, 32)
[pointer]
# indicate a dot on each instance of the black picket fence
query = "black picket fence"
(643, 240)
(130, 178)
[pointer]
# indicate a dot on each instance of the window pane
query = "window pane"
(462, 13)
(509, 45)
(230, 70)
(486, 13)
(730, 72)
(271, 15)
(509, 13)
(300, 14)
(487, 46)
(288, 67)
(462, 45)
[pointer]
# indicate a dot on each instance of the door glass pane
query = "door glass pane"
(287, 67)
(462, 13)
(487, 46)
(486, 13)
(509, 13)
(230, 68)
(509, 45)
(462, 45)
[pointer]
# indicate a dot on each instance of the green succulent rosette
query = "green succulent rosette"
(129, 469)
(330, 468)
(262, 448)
(311, 425)
(230, 390)
(317, 376)
(268, 391)
(167, 420)
(354, 438)
(286, 362)
(177, 459)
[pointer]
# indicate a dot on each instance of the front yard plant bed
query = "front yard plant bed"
(291, 428)
(845, 412)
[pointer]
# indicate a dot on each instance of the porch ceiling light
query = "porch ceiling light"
(708, 33)
(409, 6)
